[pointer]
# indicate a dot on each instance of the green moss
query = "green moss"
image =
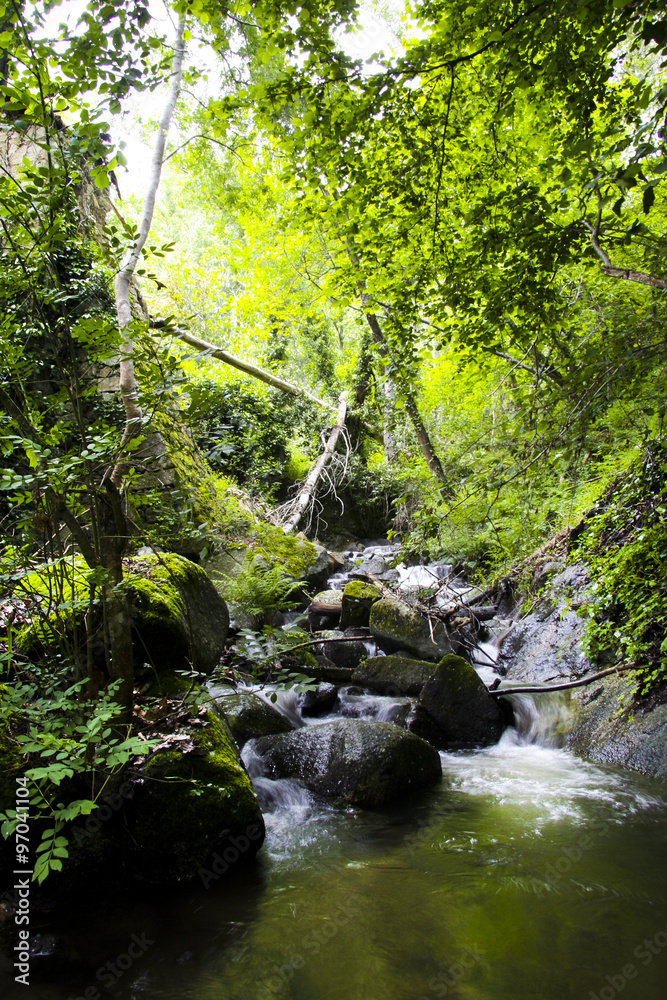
(60, 596)
(295, 554)
(154, 585)
(466, 676)
(360, 591)
(358, 599)
(194, 801)
(168, 683)
(189, 464)
(390, 616)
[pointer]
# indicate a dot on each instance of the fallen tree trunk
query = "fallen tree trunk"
(250, 369)
(262, 375)
(309, 487)
(565, 686)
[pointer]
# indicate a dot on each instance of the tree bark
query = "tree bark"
(250, 369)
(262, 375)
(428, 451)
(639, 276)
(128, 381)
(310, 485)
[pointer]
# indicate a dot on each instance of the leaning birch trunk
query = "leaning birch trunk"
(262, 375)
(128, 381)
(310, 485)
(250, 369)
(428, 451)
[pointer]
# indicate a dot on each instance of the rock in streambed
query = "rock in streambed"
(249, 716)
(455, 710)
(393, 674)
(361, 762)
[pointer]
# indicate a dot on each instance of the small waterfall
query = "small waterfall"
(287, 702)
(382, 708)
(543, 719)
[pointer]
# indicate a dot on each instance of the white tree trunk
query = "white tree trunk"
(310, 485)
(128, 381)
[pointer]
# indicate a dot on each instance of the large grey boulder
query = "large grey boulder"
(455, 710)
(361, 762)
(249, 716)
(395, 674)
(342, 654)
(397, 626)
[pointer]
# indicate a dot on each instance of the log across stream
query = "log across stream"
(527, 874)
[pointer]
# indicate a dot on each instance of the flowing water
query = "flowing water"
(528, 874)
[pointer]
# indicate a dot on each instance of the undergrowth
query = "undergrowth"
(625, 548)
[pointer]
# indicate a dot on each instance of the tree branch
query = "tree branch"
(128, 382)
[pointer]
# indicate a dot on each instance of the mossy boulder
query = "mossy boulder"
(357, 761)
(177, 614)
(393, 674)
(249, 716)
(358, 599)
(269, 546)
(397, 626)
(196, 800)
(455, 710)
(328, 602)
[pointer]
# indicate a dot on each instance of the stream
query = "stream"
(528, 873)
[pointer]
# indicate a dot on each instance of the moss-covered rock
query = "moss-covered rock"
(397, 626)
(358, 599)
(393, 674)
(267, 546)
(455, 709)
(177, 614)
(361, 762)
(196, 798)
(249, 716)
(327, 602)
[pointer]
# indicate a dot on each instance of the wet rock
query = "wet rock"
(195, 797)
(394, 674)
(319, 702)
(249, 716)
(375, 565)
(457, 701)
(546, 645)
(358, 599)
(398, 627)
(327, 602)
(609, 729)
(325, 609)
(318, 571)
(342, 654)
(363, 763)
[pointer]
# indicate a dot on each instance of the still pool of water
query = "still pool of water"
(527, 874)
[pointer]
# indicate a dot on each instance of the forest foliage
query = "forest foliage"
(468, 235)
